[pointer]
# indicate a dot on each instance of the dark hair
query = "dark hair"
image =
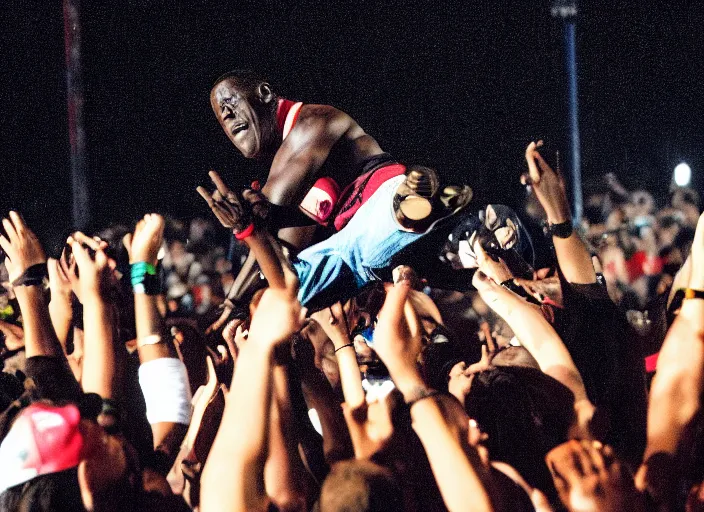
(525, 413)
(683, 240)
(439, 358)
(53, 492)
(360, 486)
(246, 79)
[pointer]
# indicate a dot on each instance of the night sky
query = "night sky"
(461, 86)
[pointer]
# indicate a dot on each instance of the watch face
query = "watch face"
(562, 230)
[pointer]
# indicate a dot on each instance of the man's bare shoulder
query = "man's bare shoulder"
(325, 118)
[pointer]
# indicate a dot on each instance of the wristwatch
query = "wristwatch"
(691, 293)
(561, 230)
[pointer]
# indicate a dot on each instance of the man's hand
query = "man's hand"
(235, 335)
(146, 241)
(59, 283)
(232, 212)
(548, 185)
(95, 274)
(588, 477)
(21, 247)
(333, 321)
(397, 339)
(14, 336)
(278, 316)
(495, 269)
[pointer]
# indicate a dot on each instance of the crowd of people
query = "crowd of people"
(369, 338)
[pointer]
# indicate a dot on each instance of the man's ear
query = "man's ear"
(264, 93)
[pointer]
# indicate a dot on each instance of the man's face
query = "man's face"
(236, 112)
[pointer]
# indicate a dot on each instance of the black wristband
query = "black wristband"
(33, 276)
(344, 346)
(511, 285)
(561, 230)
(422, 394)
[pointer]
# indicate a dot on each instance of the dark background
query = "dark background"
(462, 86)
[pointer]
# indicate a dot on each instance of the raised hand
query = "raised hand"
(495, 269)
(21, 246)
(489, 351)
(588, 477)
(235, 335)
(333, 321)
(232, 212)
(278, 316)
(146, 241)
(549, 186)
(397, 339)
(14, 336)
(59, 282)
(63, 278)
(95, 273)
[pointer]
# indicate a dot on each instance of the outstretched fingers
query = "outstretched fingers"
(219, 184)
(531, 152)
(206, 195)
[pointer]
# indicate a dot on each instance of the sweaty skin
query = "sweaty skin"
(324, 141)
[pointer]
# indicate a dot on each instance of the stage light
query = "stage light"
(683, 174)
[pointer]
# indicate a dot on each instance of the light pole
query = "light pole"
(567, 11)
(74, 97)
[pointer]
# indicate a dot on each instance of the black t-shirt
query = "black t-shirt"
(608, 355)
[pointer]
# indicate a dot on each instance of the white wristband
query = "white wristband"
(166, 391)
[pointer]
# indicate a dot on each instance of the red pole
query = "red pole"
(74, 96)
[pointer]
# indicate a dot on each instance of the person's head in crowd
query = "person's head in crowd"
(524, 413)
(668, 227)
(360, 486)
(56, 457)
(642, 203)
(245, 106)
(681, 197)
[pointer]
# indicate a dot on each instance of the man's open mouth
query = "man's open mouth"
(239, 127)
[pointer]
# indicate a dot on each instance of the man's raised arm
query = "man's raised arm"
(549, 187)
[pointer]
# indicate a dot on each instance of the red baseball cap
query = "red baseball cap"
(43, 439)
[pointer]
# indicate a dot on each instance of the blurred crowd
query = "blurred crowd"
(357, 336)
(525, 390)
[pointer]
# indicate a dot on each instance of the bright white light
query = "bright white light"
(683, 175)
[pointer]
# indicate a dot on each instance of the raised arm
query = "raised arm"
(237, 214)
(536, 335)
(461, 479)
(25, 262)
(100, 353)
(676, 391)
(233, 477)
(333, 321)
(162, 376)
(549, 187)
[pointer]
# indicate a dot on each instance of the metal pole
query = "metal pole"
(567, 10)
(571, 55)
(74, 96)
